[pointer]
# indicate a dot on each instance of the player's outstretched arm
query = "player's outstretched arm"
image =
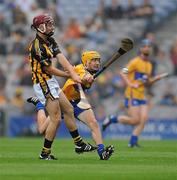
(123, 75)
(157, 78)
(66, 65)
(54, 71)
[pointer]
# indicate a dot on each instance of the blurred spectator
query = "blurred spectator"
(3, 79)
(173, 54)
(73, 53)
(24, 74)
(118, 83)
(168, 99)
(97, 33)
(18, 16)
(34, 11)
(52, 9)
(42, 4)
(24, 5)
(88, 23)
(18, 100)
(72, 31)
(104, 87)
(100, 14)
(130, 10)
(17, 42)
(146, 10)
(3, 46)
(4, 27)
(3, 99)
(114, 11)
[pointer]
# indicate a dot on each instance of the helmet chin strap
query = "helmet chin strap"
(49, 34)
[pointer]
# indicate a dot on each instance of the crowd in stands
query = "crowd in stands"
(75, 35)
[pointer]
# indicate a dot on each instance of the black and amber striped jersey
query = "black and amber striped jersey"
(40, 55)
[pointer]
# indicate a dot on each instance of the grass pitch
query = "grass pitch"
(156, 160)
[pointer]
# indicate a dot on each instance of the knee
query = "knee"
(144, 118)
(135, 120)
(56, 116)
(143, 121)
(69, 110)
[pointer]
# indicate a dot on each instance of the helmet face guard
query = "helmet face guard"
(43, 21)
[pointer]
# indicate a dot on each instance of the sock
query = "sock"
(76, 137)
(39, 106)
(100, 148)
(133, 139)
(47, 147)
(113, 119)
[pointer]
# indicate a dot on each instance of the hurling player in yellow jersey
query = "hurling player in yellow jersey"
(139, 75)
(90, 65)
(42, 51)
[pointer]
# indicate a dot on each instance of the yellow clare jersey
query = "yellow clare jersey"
(70, 88)
(139, 72)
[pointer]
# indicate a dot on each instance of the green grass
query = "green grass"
(157, 160)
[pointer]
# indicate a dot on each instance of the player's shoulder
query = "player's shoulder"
(134, 60)
(79, 67)
(36, 42)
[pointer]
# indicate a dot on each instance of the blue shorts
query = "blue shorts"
(77, 110)
(134, 102)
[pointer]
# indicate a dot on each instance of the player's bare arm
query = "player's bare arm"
(157, 78)
(54, 71)
(66, 65)
(126, 80)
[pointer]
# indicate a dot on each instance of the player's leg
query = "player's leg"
(88, 118)
(139, 128)
(53, 109)
(42, 120)
(70, 122)
(132, 118)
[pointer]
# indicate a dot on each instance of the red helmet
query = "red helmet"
(41, 19)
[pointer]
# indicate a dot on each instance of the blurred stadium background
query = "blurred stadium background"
(85, 25)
